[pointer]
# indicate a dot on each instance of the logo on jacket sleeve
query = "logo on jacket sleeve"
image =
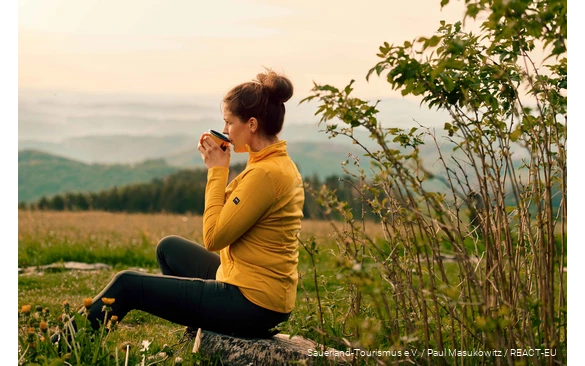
(236, 200)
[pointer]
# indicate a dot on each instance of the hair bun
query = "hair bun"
(278, 87)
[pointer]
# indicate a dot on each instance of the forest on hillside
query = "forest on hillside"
(183, 192)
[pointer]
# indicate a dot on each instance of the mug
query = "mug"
(222, 140)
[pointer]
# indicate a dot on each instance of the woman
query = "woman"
(250, 286)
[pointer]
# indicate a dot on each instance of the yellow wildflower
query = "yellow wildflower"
(112, 322)
(87, 302)
(44, 326)
(25, 309)
(108, 300)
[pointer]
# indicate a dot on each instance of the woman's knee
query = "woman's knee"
(165, 243)
(123, 275)
(117, 285)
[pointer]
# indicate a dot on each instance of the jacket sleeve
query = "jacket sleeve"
(224, 221)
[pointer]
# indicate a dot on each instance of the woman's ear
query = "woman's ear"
(253, 124)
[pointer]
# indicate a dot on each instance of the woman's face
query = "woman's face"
(237, 131)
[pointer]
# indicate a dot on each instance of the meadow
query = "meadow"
(127, 241)
(346, 298)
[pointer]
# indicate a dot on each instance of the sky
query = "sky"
(148, 46)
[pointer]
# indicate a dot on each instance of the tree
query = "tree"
(508, 288)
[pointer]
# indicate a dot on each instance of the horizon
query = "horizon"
(54, 116)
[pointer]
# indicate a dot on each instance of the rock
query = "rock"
(278, 350)
(64, 266)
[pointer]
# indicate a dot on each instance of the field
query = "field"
(347, 297)
(123, 241)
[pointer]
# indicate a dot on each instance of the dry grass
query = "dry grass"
(133, 226)
(105, 224)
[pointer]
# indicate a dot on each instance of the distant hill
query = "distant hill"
(101, 128)
(312, 158)
(68, 141)
(42, 174)
(316, 156)
(113, 149)
(130, 148)
(68, 166)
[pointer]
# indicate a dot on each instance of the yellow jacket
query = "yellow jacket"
(254, 224)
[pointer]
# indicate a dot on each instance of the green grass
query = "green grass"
(124, 242)
(50, 290)
(127, 241)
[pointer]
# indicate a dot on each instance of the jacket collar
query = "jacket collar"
(276, 149)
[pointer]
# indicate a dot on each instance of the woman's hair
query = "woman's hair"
(262, 98)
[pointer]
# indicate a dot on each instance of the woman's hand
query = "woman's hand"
(211, 152)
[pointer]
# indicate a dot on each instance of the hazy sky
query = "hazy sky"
(195, 47)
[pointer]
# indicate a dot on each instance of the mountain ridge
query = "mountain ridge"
(43, 174)
(46, 173)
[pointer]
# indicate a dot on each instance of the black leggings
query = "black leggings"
(187, 293)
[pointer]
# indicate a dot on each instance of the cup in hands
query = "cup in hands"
(222, 140)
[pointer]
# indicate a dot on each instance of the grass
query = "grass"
(127, 241)
(325, 299)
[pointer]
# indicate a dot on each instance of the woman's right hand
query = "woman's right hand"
(211, 152)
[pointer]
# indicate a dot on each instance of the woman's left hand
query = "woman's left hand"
(212, 154)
